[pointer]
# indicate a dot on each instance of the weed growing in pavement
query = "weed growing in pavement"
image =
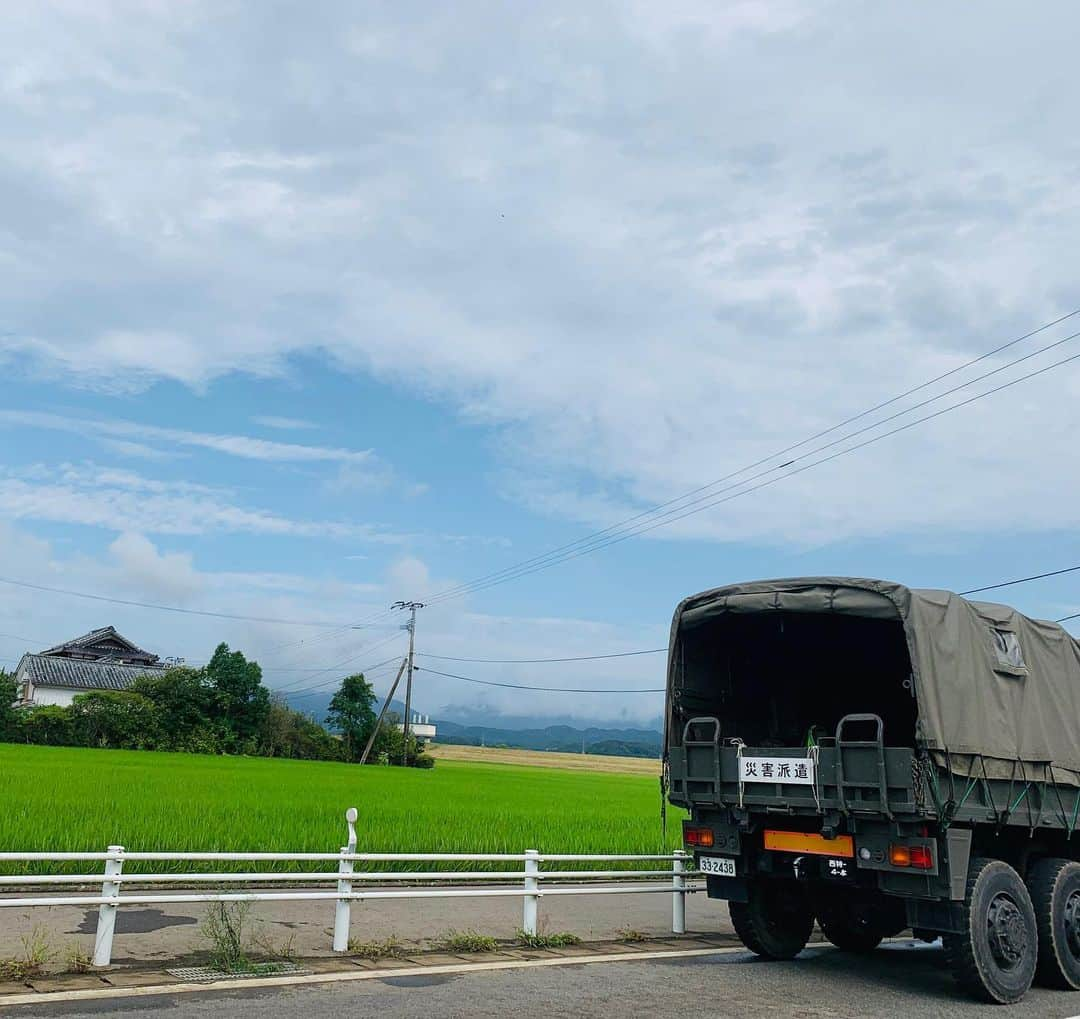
(561, 940)
(391, 948)
(277, 951)
(78, 959)
(223, 926)
(467, 941)
(629, 936)
(31, 961)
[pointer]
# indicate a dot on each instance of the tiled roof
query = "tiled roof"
(106, 643)
(73, 674)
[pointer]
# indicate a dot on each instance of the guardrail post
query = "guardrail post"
(343, 911)
(532, 885)
(678, 893)
(106, 924)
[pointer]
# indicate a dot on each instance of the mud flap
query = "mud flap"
(731, 888)
(958, 843)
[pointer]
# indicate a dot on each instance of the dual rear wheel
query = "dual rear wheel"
(1011, 931)
(777, 920)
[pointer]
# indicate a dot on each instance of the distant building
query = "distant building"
(99, 660)
(421, 726)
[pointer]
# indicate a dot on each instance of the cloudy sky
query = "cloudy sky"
(306, 308)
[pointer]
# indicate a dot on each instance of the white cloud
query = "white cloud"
(136, 568)
(118, 500)
(284, 423)
(169, 575)
(646, 244)
(244, 446)
(411, 576)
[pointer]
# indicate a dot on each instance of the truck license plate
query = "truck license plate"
(722, 865)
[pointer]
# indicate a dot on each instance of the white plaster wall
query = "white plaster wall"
(54, 695)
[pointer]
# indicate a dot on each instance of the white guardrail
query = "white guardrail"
(671, 880)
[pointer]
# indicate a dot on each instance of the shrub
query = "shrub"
(391, 948)
(467, 941)
(561, 940)
(47, 725)
(109, 718)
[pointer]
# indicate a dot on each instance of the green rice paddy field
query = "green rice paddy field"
(68, 799)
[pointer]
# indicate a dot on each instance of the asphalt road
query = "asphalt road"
(821, 984)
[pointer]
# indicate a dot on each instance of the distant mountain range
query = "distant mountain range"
(564, 738)
(521, 732)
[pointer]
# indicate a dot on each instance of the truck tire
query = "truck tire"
(849, 933)
(776, 921)
(995, 955)
(857, 925)
(1054, 885)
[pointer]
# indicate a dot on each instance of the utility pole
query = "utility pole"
(412, 606)
(382, 714)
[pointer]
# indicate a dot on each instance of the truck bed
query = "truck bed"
(874, 781)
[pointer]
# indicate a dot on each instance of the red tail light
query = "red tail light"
(698, 837)
(920, 857)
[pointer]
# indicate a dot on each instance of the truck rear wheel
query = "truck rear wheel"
(850, 930)
(776, 921)
(1055, 892)
(855, 924)
(994, 957)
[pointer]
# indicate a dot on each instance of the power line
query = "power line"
(770, 481)
(554, 554)
(659, 650)
(520, 686)
(321, 686)
(542, 661)
(1021, 580)
(337, 665)
(172, 608)
(364, 624)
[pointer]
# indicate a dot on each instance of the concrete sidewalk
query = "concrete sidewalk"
(155, 934)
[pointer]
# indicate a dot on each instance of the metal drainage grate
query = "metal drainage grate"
(209, 975)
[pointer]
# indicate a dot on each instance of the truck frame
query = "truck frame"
(810, 734)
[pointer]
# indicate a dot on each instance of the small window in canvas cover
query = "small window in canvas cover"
(1010, 655)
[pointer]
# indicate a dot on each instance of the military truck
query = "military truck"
(876, 758)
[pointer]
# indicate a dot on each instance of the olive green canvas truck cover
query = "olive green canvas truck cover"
(990, 685)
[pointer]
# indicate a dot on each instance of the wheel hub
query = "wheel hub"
(1007, 931)
(1072, 923)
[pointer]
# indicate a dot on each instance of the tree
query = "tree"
(240, 700)
(112, 718)
(47, 724)
(9, 714)
(389, 746)
(352, 714)
(289, 733)
(184, 700)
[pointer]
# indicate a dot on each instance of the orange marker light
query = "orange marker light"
(900, 856)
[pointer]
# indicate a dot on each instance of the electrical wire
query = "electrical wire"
(542, 661)
(468, 586)
(169, 608)
(330, 668)
(1021, 580)
(659, 650)
(771, 481)
(367, 672)
(520, 686)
